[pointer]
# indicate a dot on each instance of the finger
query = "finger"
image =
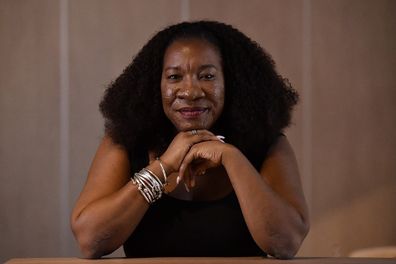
(195, 139)
(186, 180)
(221, 138)
(182, 172)
(181, 144)
(186, 186)
(191, 183)
(199, 132)
(184, 175)
(187, 161)
(178, 179)
(194, 132)
(185, 171)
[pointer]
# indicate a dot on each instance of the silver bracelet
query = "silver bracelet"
(145, 190)
(163, 171)
(153, 174)
(141, 188)
(149, 185)
(153, 182)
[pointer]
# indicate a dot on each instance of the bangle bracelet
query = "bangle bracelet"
(148, 184)
(163, 171)
(153, 174)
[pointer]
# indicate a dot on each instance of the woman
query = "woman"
(196, 122)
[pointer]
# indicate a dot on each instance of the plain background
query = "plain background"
(58, 56)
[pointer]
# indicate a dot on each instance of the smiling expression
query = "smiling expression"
(192, 84)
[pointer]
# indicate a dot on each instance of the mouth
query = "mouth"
(192, 112)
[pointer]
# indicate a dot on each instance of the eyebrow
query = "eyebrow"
(202, 67)
(205, 66)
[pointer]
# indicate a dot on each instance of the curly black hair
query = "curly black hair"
(258, 101)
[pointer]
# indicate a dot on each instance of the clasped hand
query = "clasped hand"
(192, 153)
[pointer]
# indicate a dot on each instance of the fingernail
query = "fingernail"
(220, 138)
(178, 180)
(187, 189)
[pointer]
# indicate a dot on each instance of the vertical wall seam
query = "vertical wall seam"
(64, 184)
(306, 94)
(184, 10)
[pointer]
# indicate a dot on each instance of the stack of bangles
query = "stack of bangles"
(149, 185)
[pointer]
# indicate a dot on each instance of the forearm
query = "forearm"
(105, 224)
(276, 226)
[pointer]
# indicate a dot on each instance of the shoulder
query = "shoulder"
(281, 146)
(280, 163)
(110, 164)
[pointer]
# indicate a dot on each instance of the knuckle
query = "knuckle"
(182, 134)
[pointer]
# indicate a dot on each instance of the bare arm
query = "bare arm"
(110, 206)
(271, 199)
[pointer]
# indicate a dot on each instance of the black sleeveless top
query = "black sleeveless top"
(178, 228)
(173, 227)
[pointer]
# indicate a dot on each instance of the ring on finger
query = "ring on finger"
(194, 132)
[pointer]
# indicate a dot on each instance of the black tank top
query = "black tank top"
(178, 228)
(173, 227)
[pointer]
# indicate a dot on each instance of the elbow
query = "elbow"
(88, 244)
(89, 252)
(285, 245)
(280, 249)
(284, 250)
(89, 248)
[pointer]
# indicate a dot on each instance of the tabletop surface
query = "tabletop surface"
(203, 260)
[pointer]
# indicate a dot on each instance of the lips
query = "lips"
(192, 112)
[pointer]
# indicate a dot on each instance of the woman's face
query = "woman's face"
(192, 84)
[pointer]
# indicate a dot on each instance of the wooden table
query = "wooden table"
(200, 260)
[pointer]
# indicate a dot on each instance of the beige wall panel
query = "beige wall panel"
(367, 221)
(29, 191)
(354, 147)
(104, 36)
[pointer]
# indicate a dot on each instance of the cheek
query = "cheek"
(218, 95)
(167, 94)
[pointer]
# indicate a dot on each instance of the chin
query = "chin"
(192, 127)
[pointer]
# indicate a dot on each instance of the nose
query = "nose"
(190, 90)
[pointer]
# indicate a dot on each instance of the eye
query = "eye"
(207, 77)
(174, 77)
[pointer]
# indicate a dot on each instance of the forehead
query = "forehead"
(197, 50)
